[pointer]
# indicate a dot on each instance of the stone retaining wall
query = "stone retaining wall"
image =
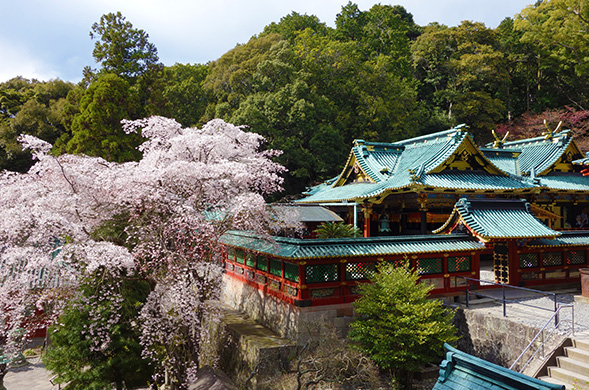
(279, 316)
(500, 340)
(490, 337)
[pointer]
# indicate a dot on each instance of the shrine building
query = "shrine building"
(439, 203)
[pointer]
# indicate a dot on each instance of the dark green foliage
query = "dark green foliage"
(337, 230)
(96, 129)
(311, 89)
(30, 107)
(122, 49)
(184, 98)
(398, 326)
(74, 354)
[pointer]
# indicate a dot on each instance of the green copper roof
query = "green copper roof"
(474, 180)
(327, 193)
(461, 371)
(380, 162)
(540, 153)
(504, 159)
(497, 219)
(456, 180)
(419, 162)
(565, 181)
(299, 249)
(576, 238)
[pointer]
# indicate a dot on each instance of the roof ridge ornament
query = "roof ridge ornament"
(498, 144)
(551, 133)
(462, 127)
(416, 173)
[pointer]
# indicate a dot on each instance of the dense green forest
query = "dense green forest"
(311, 89)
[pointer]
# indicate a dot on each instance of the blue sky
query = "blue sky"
(50, 39)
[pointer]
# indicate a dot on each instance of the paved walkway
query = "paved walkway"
(31, 377)
(536, 310)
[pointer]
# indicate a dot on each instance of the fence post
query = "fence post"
(556, 311)
(504, 304)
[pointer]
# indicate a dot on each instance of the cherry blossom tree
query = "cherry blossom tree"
(159, 218)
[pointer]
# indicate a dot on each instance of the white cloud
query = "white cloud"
(17, 61)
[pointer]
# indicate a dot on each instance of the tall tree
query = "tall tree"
(97, 129)
(182, 91)
(522, 93)
(292, 24)
(462, 73)
(120, 48)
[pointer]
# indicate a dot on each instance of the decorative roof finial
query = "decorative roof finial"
(462, 127)
(498, 144)
(550, 133)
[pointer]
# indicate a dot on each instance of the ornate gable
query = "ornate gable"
(468, 157)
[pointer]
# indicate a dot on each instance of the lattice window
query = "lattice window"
(239, 256)
(459, 264)
(360, 271)
(250, 260)
(429, 266)
(529, 260)
(552, 258)
(291, 271)
(275, 267)
(262, 263)
(576, 257)
(322, 273)
(399, 262)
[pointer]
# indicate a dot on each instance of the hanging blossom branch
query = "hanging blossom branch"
(71, 218)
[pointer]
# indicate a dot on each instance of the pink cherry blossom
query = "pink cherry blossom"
(190, 187)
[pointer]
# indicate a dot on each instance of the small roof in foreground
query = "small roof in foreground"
(491, 219)
(299, 249)
(461, 371)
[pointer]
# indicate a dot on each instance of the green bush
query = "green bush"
(336, 230)
(98, 316)
(398, 326)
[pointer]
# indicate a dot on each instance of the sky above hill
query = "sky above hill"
(50, 39)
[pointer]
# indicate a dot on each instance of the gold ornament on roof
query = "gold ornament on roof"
(498, 144)
(550, 133)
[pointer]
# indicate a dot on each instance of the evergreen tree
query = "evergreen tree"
(97, 129)
(75, 357)
(398, 325)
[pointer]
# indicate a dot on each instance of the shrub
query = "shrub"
(398, 326)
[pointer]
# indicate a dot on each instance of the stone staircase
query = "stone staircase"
(572, 369)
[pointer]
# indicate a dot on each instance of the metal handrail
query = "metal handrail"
(504, 300)
(541, 332)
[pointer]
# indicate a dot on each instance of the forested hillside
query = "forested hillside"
(311, 89)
